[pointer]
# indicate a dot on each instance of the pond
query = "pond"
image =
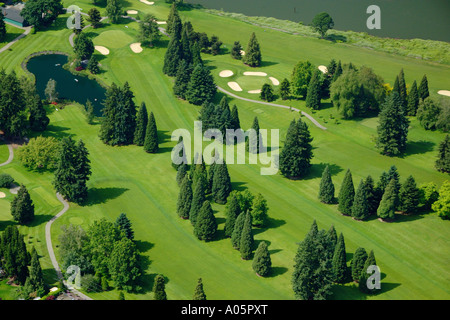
(404, 19)
(69, 86)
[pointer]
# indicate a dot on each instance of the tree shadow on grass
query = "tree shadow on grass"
(39, 219)
(143, 246)
(4, 224)
(103, 195)
(317, 170)
(238, 186)
(336, 38)
(276, 271)
(271, 224)
(268, 63)
(56, 131)
(418, 147)
(147, 281)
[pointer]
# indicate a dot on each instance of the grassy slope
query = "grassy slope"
(142, 187)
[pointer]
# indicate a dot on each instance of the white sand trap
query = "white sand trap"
(258, 74)
(242, 53)
(444, 92)
(226, 73)
(235, 86)
(132, 12)
(102, 50)
(274, 81)
(161, 22)
(255, 91)
(324, 69)
(2, 195)
(136, 47)
(147, 2)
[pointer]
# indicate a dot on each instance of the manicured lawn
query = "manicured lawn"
(411, 252)
(7, 292)
(12, 32)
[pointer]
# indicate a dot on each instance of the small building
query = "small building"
(12, 15)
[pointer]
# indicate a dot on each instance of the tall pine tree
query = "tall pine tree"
(206, 226)
(185, 198)
(386, 210)
(443, 160)
(232, 211)
(339, 263)
(360, 207)
(358, 261)
(262, 263)
(246, 243)
(22, 207)
(151, 136)
(221, 186)
(413, 100)
(313, 92)
(423, 88)
(326, 188)
(409, 196)
(141, 125)
(346, 194)
(253, 56)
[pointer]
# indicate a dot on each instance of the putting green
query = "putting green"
(113, 39)
(252, 82)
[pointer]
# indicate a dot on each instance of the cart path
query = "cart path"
(27, 31)
(11, 156)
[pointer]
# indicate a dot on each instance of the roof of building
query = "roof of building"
(13, 13)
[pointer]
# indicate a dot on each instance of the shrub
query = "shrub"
(40, 153)
(5, 180)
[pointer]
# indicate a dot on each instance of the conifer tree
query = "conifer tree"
(386, 210)
(370, 261)
(2, 27)
(36, 278)
(159, 288)
(201, 87)
(252, 56)
(409, 196)
(423, 88)
(296, 155)
(173, 56)
(22, 207)
(339, 263)
(237, 230)
(346, 194)
(358, 261)
(113, 10)
(313, 92)
(221, 186)
(372, 199)
(124, 225)
(94, 17)
(235, 122)
(246, 243)
(254, 143)
(413, 100)
(206, 226)
(285, 89)
(186, 44)
(360, 207)
(331, 68)
(90, 116)
(443, 161)
(38, 116)
(236, 51)
(82, 172)
(182, 79)
(173, 20)
(402, 91)
(338, 71)
(259, 211)
(141, 125)
(93, 65)
(333, 238)
(196, 55)
(394, 175)
(267, 93)
(199, 293)
(393, 127)
(232, 211)
(262, 263)
(185, 198)
(151, 136)
(198, 199)
(181, 173)
(326, 188)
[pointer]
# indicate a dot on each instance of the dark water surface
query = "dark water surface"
(407, 19)
(69, 86)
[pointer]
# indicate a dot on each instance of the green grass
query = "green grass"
(12, 32)
(411, 252)
(7, 292)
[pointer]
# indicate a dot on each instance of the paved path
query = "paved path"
(27, 31)
(316, 123)
(11, 156)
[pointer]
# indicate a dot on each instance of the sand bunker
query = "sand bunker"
(102, 50)
(274, 81)
(136, 47)
(444, 92)
(324, 69)
(146, 2)
(2, 195)
(132, 12)
(255, 91)
(161, 22)
(226, 73)
(258, 74)
(235, 86)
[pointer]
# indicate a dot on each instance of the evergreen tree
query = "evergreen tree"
(36, 278)
(221, 187)
(254, 143)
(113, 10)
(360, 207)
(94, 17)
(285, 89)
(124, 224)
(83, 46)
(333, 238)
(386, 210)
(358, 261)
(394, 175)
(326, 188)
(423, 88)
(413, 100)
(235, 122)
(159, 288)
(246, 243)
(206, 226)
(173, 20)
(370, 261)
(151, 136)
(236, 51)
(296, 155)
(185, 44)
(38, 119)
(173, 56)
(409, 196)
(141, 125)
(443, 161)
(252, 56)
(237, 230)
(198, 199)
(372, 198)
(2, 27)
(331, 68)
(346, 194)
(148, 30)
(262, 263)
(339, 263)
(259, 211)
(232, 211)
(199, 293)
(183, 77)
(338, 72)
(185, 198)
(82, 172)
(402, 91)
(89, 112)
(181, 173)
(267, 93)
(201, 87)
(93, 65)
(196, 55)
(22, 207)
(313, 92)
(393, 127)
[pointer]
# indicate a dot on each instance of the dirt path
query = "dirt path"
(314, 121)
